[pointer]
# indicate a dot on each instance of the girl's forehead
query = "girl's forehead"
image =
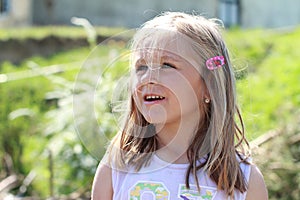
(167, 48)
(156, 54)
(156, 44)
(159, 40)
(170, 53)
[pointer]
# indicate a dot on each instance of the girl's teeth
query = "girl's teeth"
(153, 97)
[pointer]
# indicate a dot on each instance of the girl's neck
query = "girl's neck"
(171, 157)
(174, 140)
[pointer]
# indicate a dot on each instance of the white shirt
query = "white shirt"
(164, 181)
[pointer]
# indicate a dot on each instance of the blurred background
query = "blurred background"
(46, 65)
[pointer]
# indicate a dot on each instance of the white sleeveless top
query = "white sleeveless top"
(164, 181)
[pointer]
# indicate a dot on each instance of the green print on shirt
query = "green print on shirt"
(206, 193)
(157, 189)
(160, 191)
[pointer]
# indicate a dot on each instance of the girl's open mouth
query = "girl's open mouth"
(150, 98)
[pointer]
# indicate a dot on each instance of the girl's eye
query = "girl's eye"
(141, 68)
(168, 65)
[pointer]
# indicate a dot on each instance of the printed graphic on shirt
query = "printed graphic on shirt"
(156, 189)
(206, 193)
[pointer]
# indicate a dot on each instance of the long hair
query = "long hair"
(220, 132)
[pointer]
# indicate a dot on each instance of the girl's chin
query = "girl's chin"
(155, 120)
(156, 114)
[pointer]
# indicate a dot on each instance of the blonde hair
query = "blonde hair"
(219, 135)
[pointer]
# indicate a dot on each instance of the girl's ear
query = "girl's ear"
(207, 100)
(206, 94)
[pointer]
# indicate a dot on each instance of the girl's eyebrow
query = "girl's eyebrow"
(140, 61)
(172, 57)
(167, 57)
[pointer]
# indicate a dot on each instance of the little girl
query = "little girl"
(183, 137)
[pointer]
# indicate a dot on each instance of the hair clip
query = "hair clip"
(215, 62)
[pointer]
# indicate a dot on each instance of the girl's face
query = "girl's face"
(166, 87)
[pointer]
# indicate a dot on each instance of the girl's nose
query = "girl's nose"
(151, 75)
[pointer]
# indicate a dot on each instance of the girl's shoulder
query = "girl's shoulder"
(256, 185)
(256, 188)
(102, 184)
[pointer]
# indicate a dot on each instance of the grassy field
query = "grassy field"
(40, 32)
(269, 94)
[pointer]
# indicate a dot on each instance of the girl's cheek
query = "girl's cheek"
(135, 82)
(136, 91)
(137, 79)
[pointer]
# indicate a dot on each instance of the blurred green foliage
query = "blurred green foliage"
(279, 160)
(37, 114)
(25, 136)
(269, 94)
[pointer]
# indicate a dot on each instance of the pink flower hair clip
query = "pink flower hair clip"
(215, 62)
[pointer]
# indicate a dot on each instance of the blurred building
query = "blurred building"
(132, 13)
(15, 12)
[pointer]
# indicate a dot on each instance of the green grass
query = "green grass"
(40, 32)
(269, 94)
